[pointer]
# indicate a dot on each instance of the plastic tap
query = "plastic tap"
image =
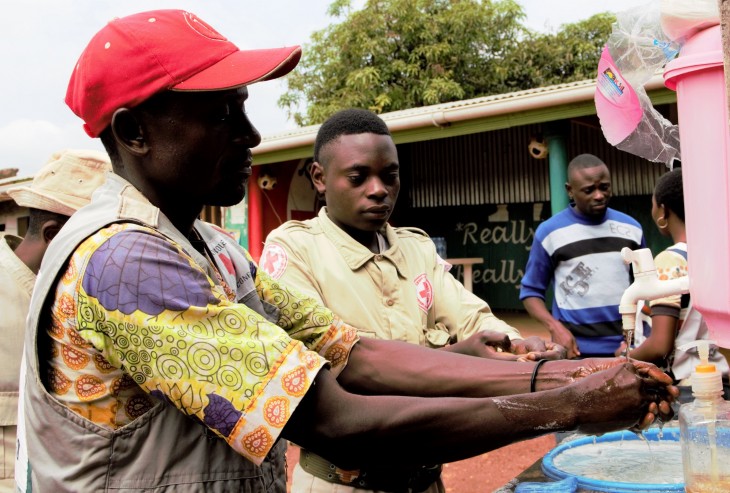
(646, 285)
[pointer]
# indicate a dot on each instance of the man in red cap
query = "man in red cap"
(159, 357)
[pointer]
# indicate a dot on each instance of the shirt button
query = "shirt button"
(389, 302)
(378, 257)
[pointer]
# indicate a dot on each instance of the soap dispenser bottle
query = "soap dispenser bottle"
(704, 428)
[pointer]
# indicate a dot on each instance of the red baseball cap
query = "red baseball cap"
(133, 58)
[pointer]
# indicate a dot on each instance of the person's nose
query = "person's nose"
(599, 195)
(245, 133)
(377, 189)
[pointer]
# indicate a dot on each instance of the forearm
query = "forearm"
(537, 310)
(661, 341)
(351, 429)
(395, 368)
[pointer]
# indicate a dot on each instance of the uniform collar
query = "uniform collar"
(355, 254)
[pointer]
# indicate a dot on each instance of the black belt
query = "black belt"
(407, 479)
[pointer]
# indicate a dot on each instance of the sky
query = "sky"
(41, 41)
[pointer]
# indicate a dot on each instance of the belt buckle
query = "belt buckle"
(347, 476)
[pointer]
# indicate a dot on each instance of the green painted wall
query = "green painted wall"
(504, 241)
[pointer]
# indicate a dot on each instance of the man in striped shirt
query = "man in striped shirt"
(579, 251)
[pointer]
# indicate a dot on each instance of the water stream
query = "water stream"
(629, 336)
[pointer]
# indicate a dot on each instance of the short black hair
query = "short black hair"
(38, 217)
(348, 122)
(583, 161)
(668, 192)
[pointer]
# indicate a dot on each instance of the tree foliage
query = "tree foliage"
(570, 54)
(399, 54)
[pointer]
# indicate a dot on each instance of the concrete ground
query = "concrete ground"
(488, 472)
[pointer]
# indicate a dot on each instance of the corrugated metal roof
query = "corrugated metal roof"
(464, 117)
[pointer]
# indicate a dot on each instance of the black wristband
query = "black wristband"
(534, 374)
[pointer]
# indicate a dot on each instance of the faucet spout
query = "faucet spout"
(646, 285)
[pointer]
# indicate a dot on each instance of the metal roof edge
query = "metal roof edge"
(12, 182)
(297, 143)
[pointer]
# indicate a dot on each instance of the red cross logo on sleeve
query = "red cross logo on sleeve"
(274, 260)
(424, 292)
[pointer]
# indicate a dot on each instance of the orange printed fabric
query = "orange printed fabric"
(670, 265)
(135, 319)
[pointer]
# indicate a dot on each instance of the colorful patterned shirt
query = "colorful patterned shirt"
(135, 319)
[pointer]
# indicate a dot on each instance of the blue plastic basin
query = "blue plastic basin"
(552, 471)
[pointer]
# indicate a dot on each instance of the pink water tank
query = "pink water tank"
(698, 78)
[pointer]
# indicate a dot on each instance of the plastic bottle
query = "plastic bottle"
(704, 428)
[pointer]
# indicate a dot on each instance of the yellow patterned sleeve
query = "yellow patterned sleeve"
(155, 314)
(307, 320)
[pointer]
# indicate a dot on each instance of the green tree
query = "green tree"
(398, 54)
(569, 55)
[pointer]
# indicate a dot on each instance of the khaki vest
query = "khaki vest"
(161, 451)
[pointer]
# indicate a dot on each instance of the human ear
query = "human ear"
(318, 177)
(50, 229)
(128, 132)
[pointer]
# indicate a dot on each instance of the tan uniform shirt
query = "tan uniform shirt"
(16, 286)
(404, 293)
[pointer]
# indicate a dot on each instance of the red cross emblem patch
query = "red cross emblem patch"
(274, 260)
(424, 292)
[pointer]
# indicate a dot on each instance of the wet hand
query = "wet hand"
(562, 336)
(622, 396)
(534, 349)
(583, 368)
(659, 385)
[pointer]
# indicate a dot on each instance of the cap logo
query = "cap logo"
(203, 28)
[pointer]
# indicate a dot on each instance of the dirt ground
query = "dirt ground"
(487, 472)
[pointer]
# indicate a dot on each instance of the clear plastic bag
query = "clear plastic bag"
(637, 49)
(638, 44)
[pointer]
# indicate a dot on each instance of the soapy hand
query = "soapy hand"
(616, 394)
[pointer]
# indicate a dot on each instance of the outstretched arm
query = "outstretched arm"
(357, 430)
(398, 368)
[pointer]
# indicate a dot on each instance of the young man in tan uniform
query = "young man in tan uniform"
(61, 187)
(388, 282)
